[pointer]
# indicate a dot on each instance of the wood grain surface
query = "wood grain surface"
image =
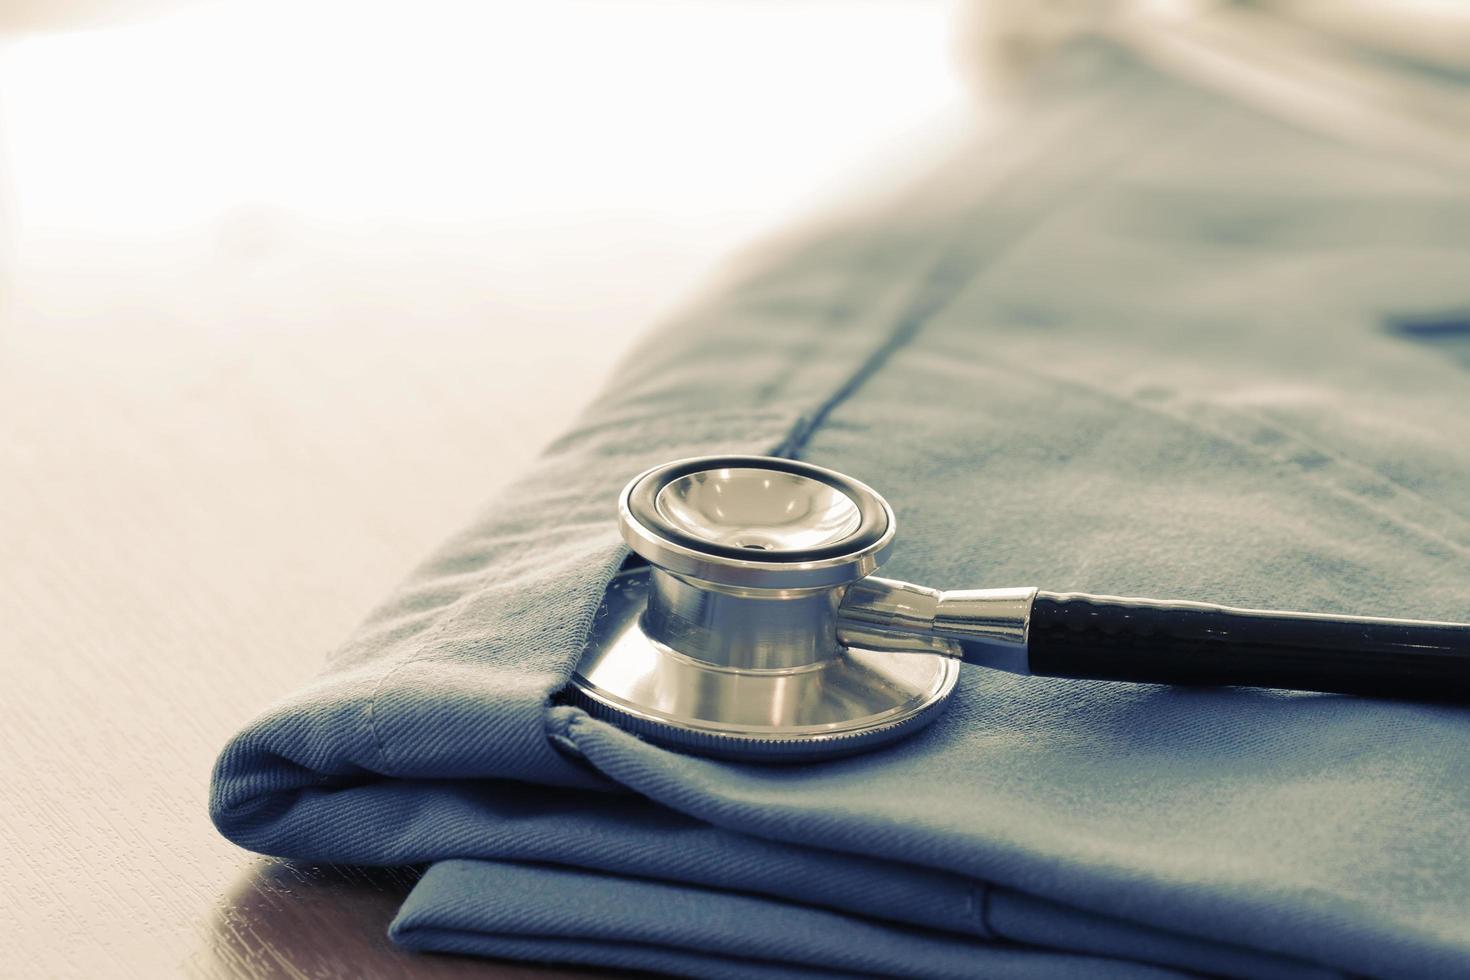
(286, 293)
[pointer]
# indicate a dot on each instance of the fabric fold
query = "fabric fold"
(489, 908)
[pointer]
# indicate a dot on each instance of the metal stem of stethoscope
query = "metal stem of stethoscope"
(757, 630)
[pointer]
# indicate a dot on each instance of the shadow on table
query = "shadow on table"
(300, 920)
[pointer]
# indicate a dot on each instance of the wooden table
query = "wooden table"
(286, 292)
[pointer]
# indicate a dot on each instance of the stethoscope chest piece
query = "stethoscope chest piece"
(757, 631)
(726, 643)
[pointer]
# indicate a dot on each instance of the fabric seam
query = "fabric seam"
(931, 295)
(979, 901)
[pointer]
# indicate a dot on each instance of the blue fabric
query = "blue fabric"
(1149, 343)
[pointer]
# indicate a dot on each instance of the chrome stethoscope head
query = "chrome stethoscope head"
(757, 630)
(749, 522)
(728, 643)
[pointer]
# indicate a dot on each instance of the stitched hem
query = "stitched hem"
(979, 909)
(524, 547)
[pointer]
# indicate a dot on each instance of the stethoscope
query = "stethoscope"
(757, 630)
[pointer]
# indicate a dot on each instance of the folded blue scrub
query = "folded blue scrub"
(1148, 343)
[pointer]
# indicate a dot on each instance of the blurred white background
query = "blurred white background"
(207, 190)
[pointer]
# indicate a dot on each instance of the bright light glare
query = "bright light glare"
(446, 111)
